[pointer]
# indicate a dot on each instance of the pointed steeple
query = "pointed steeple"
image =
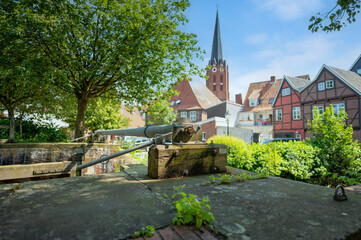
(217, 45)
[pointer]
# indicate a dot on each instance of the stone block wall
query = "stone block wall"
(32, 153)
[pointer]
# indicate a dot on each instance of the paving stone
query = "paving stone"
(169, 234)
(186, 233)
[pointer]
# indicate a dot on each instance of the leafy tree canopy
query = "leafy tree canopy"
(23, 73)
(159, 112)
(102, 113)
(132, 48)
(335, 17)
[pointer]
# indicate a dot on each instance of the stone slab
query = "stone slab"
(111, 206)
(114, 206)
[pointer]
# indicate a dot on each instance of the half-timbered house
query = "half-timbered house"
(287, 108)
(338, 87)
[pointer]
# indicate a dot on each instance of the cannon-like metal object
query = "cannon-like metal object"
(187, 155)
(183, 131)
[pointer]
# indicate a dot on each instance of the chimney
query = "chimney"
(273, 79)
(239, 98)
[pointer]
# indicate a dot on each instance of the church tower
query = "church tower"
(218, 75)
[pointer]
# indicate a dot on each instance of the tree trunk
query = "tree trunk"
(80, 117)
(21, 124)
(11, 113)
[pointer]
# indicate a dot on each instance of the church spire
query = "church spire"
(217, 45)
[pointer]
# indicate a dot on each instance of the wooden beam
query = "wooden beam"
(5, 127)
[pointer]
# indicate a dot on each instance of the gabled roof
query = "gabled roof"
(351, 79)
(265, 91)
(297, 83)
(217, 44)
(356, 61)
(194, 95)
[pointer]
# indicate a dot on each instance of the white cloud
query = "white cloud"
(290, 9)
(257, 38)
(293, 58)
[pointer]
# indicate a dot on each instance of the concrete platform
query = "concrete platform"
(114, 206)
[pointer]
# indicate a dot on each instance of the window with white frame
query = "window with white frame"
(252, 102)
(271, 100)
(193, 115)
(183, 114)
(321, 86)
(337, 108)
(296, 113)
(286, 91)
(330, 84)
(279, 114)
(320, 110)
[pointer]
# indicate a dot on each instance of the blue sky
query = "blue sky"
(270, 38)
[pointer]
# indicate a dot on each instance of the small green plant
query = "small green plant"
(165, 196)
(225, 178)
(13, 189)
(118, 168)
(229, 178)
(212, 179)
(146, 231)
(190, 210)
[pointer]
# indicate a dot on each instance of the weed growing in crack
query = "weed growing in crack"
(190, 210)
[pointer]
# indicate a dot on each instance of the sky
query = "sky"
(271, 38)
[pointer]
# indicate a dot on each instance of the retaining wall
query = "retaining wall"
(33, 153)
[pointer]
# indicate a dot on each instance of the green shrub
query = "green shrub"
(238, 154)
(36, 132)
(294, 160)
(338, 151)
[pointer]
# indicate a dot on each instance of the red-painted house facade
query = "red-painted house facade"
(287, 108)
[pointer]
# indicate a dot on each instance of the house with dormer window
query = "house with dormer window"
(257, 111)
(193, 100)
(287, 108)
(341, 88)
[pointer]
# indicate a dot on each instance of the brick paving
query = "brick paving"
(182, 233)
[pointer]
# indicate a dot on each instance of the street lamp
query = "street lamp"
(227, 115)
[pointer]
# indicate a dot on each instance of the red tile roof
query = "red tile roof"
(193, 95)
(261, 90)
(135, 117)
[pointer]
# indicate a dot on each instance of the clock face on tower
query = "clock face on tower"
(214, 69)
(221, 69)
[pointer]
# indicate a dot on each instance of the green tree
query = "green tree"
(103, 113)
(159, 112)
(22, 71)
(330, 134)
(134, 48)
(335, 17)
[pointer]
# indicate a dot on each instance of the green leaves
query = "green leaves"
(159, 112)
(146, 231)
(330, 134)
(134, 48)
(343, 8)
(190, 210)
